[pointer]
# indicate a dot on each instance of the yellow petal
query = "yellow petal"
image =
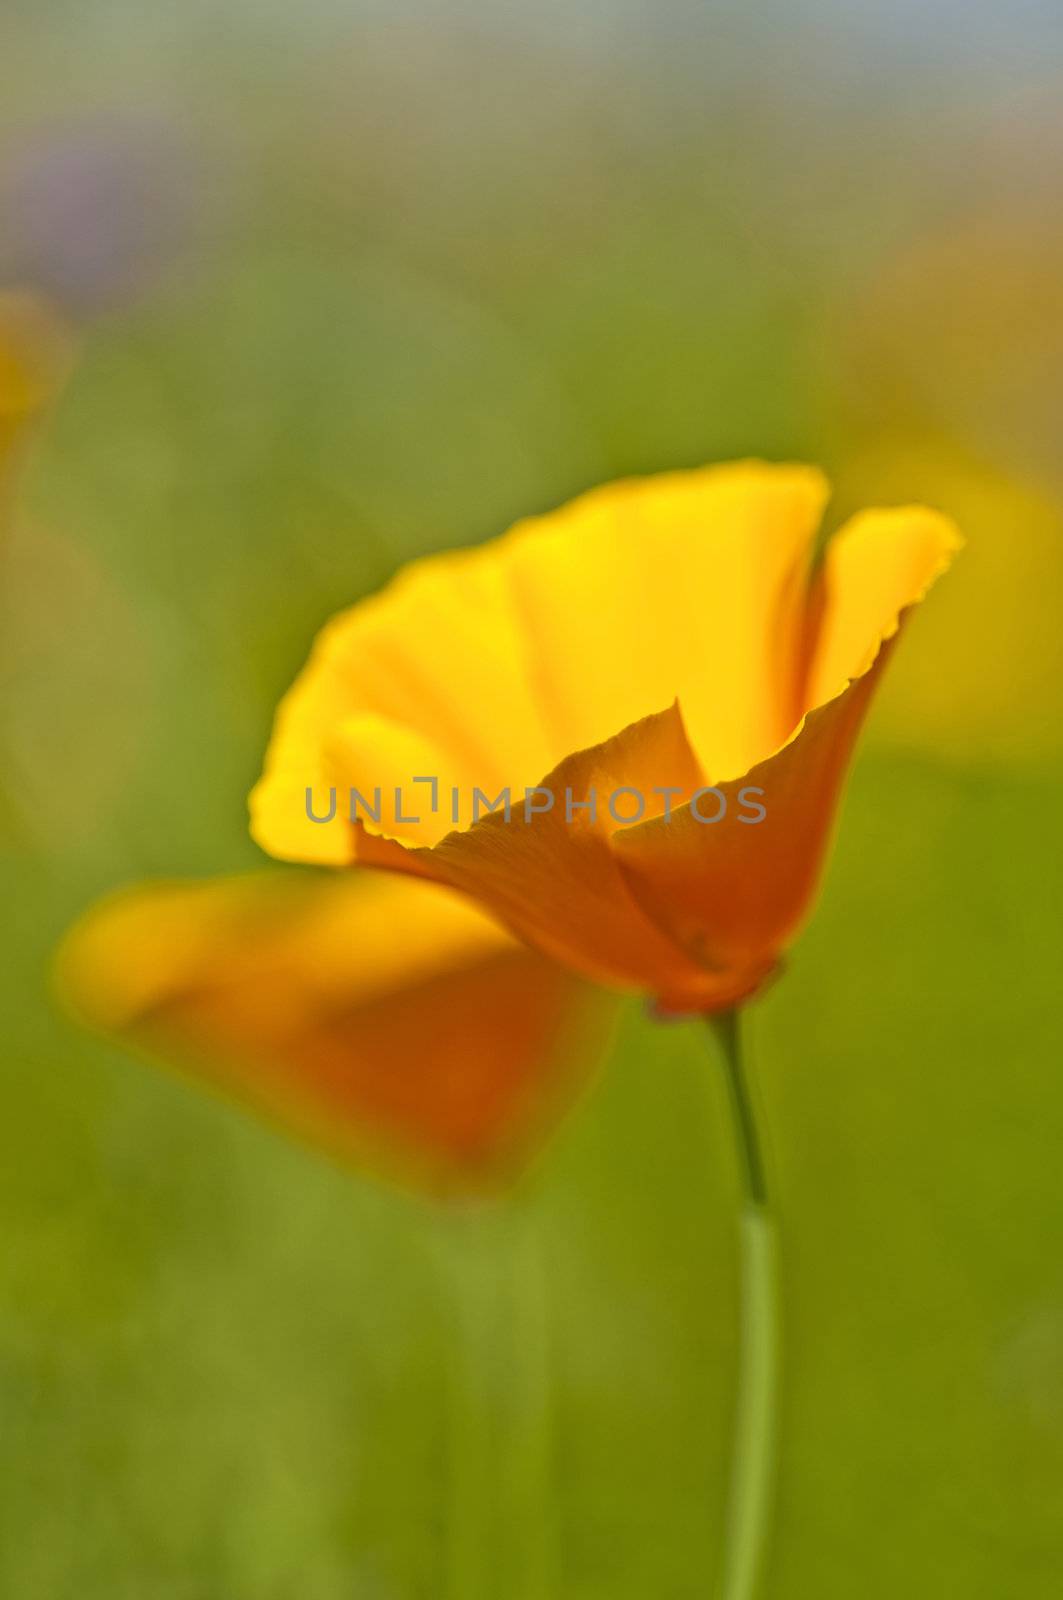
(436, 666)
(879, 563)
(734, 893)
(383, 1020)
(505, 659)
(688, 585)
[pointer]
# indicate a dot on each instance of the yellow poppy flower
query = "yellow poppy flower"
(656, 638)
(389, 1022)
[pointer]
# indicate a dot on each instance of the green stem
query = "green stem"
(753, 1454)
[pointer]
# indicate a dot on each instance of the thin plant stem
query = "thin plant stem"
(753, 1450)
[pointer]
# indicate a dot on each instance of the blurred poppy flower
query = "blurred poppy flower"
(33, 355)
(960, 334)
(384, 1020)
(32, 359)
(663, 635)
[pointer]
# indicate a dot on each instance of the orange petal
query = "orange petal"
(733, 892)
(554, 878)
(386, 1021)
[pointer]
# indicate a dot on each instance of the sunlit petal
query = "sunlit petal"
(660, 635)
(385, 1020)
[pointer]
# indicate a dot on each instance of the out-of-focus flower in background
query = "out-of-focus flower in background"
(95, 209)
(946, 352)
(957, 330)
(656, 636)
(387, 1022)
(57, 606)
(34, 353)
(33, 357)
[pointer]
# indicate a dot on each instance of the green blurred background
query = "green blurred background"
(352, 283)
